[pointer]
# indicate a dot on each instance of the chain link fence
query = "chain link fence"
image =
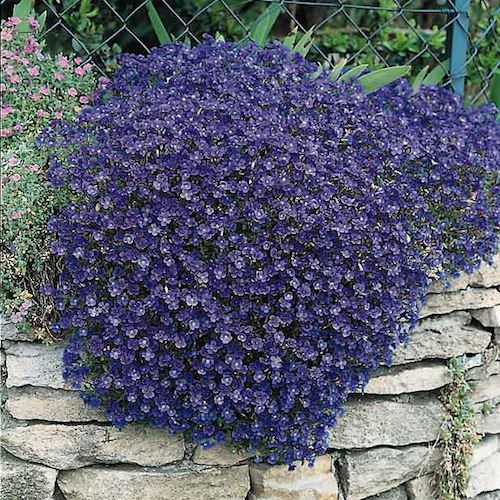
(460, 35)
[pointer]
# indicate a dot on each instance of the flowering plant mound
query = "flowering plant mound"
(249, 243)
(35, 89)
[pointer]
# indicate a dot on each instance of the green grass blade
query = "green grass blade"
(264, 24)
(289, 40)
(417, 83)
(337, 69)
(495, 89)
(157, 24)
(381, 77)
(23, 10)
(353, 72)
(303, 46)
(435, 77)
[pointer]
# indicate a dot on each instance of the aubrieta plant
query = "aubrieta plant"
(35, 90)
(250, 242)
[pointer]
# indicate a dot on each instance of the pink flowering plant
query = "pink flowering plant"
(36, 89)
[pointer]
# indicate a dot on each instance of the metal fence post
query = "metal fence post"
(457, 44)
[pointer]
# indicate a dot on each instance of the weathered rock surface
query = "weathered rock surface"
(490, 495)
(425, 376)
(488, 389)
(487, 276)
(443, 337)
(55, 405)
(35, 364)
(489, 422)
(486, 447)
(374, 471)
(303, 483)
(25, 481)
(489, 317)
(470, 298)
(9, 331)
(72, 446)
(421, 488)
(395, 422)
(484, 476)
(219, 455)
(398, 493)
(121, 483)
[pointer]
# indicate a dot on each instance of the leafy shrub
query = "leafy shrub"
(35, 89)
(248, 243)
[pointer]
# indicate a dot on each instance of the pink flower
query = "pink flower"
(79, 71)
(36, 97)
(31, 45)
(33, 168)
(58, 115)
(87, 67)
(6, 111)
(63, 62)
(16, 214)
(13, 162)
(17, 128)
(3, 87)
(15, 177)
(15, 79)
(103, 81)
(25, 61)
(58, 76)
(9, 70)
(16, 317)
(33, 23)
(78, 60)
(72, 92)
(34, 71)
(84, 99)
(13, 21)
(8, 54)
(5, 132)
(44, 90)
(41, 113)
(6, 35)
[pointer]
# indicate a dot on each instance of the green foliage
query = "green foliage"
(265, 22)
(36, 89)
(157, 24)
(381, 77)
(458, 435)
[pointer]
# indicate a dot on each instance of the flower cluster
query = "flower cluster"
(35, 89)
(249, 243)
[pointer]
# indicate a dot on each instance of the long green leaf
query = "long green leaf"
(435, 77)
(337, 69)
(157, 24)
(23, 10)
(380, 77)
(353, 72)
(290, 39)
(495, 89)
(265, 23)
(303, 46)
(417, 83)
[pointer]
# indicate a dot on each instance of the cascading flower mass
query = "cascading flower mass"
(247, 243)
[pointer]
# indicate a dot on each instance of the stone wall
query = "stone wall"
(54, 447)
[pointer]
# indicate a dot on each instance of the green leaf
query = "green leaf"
(337, 69)
(22, 10)
(219, 37)
(41, 19)
(290, 39)
(265, 23)
(417, 83)
(435, 77)
(495, 89)
(380, 77)
(303, 46)
(157, 24)
(353, 72)
(318, 72)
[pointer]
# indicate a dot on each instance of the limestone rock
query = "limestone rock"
(484, 476)
(490, 495)
(488, 389)
(54, 405)
(398, 493)
(425, 376)
(370, 472)
(122, 483)
(72, 446)
(9, 331)
(35, 364)
(422, 488)
(394, 422)
(25, 481)
(488, 275)
(303, 483)
(486, 447)
(443, 337)
(489, 317)
(470, 298)
(219, 455)
(489, 422)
